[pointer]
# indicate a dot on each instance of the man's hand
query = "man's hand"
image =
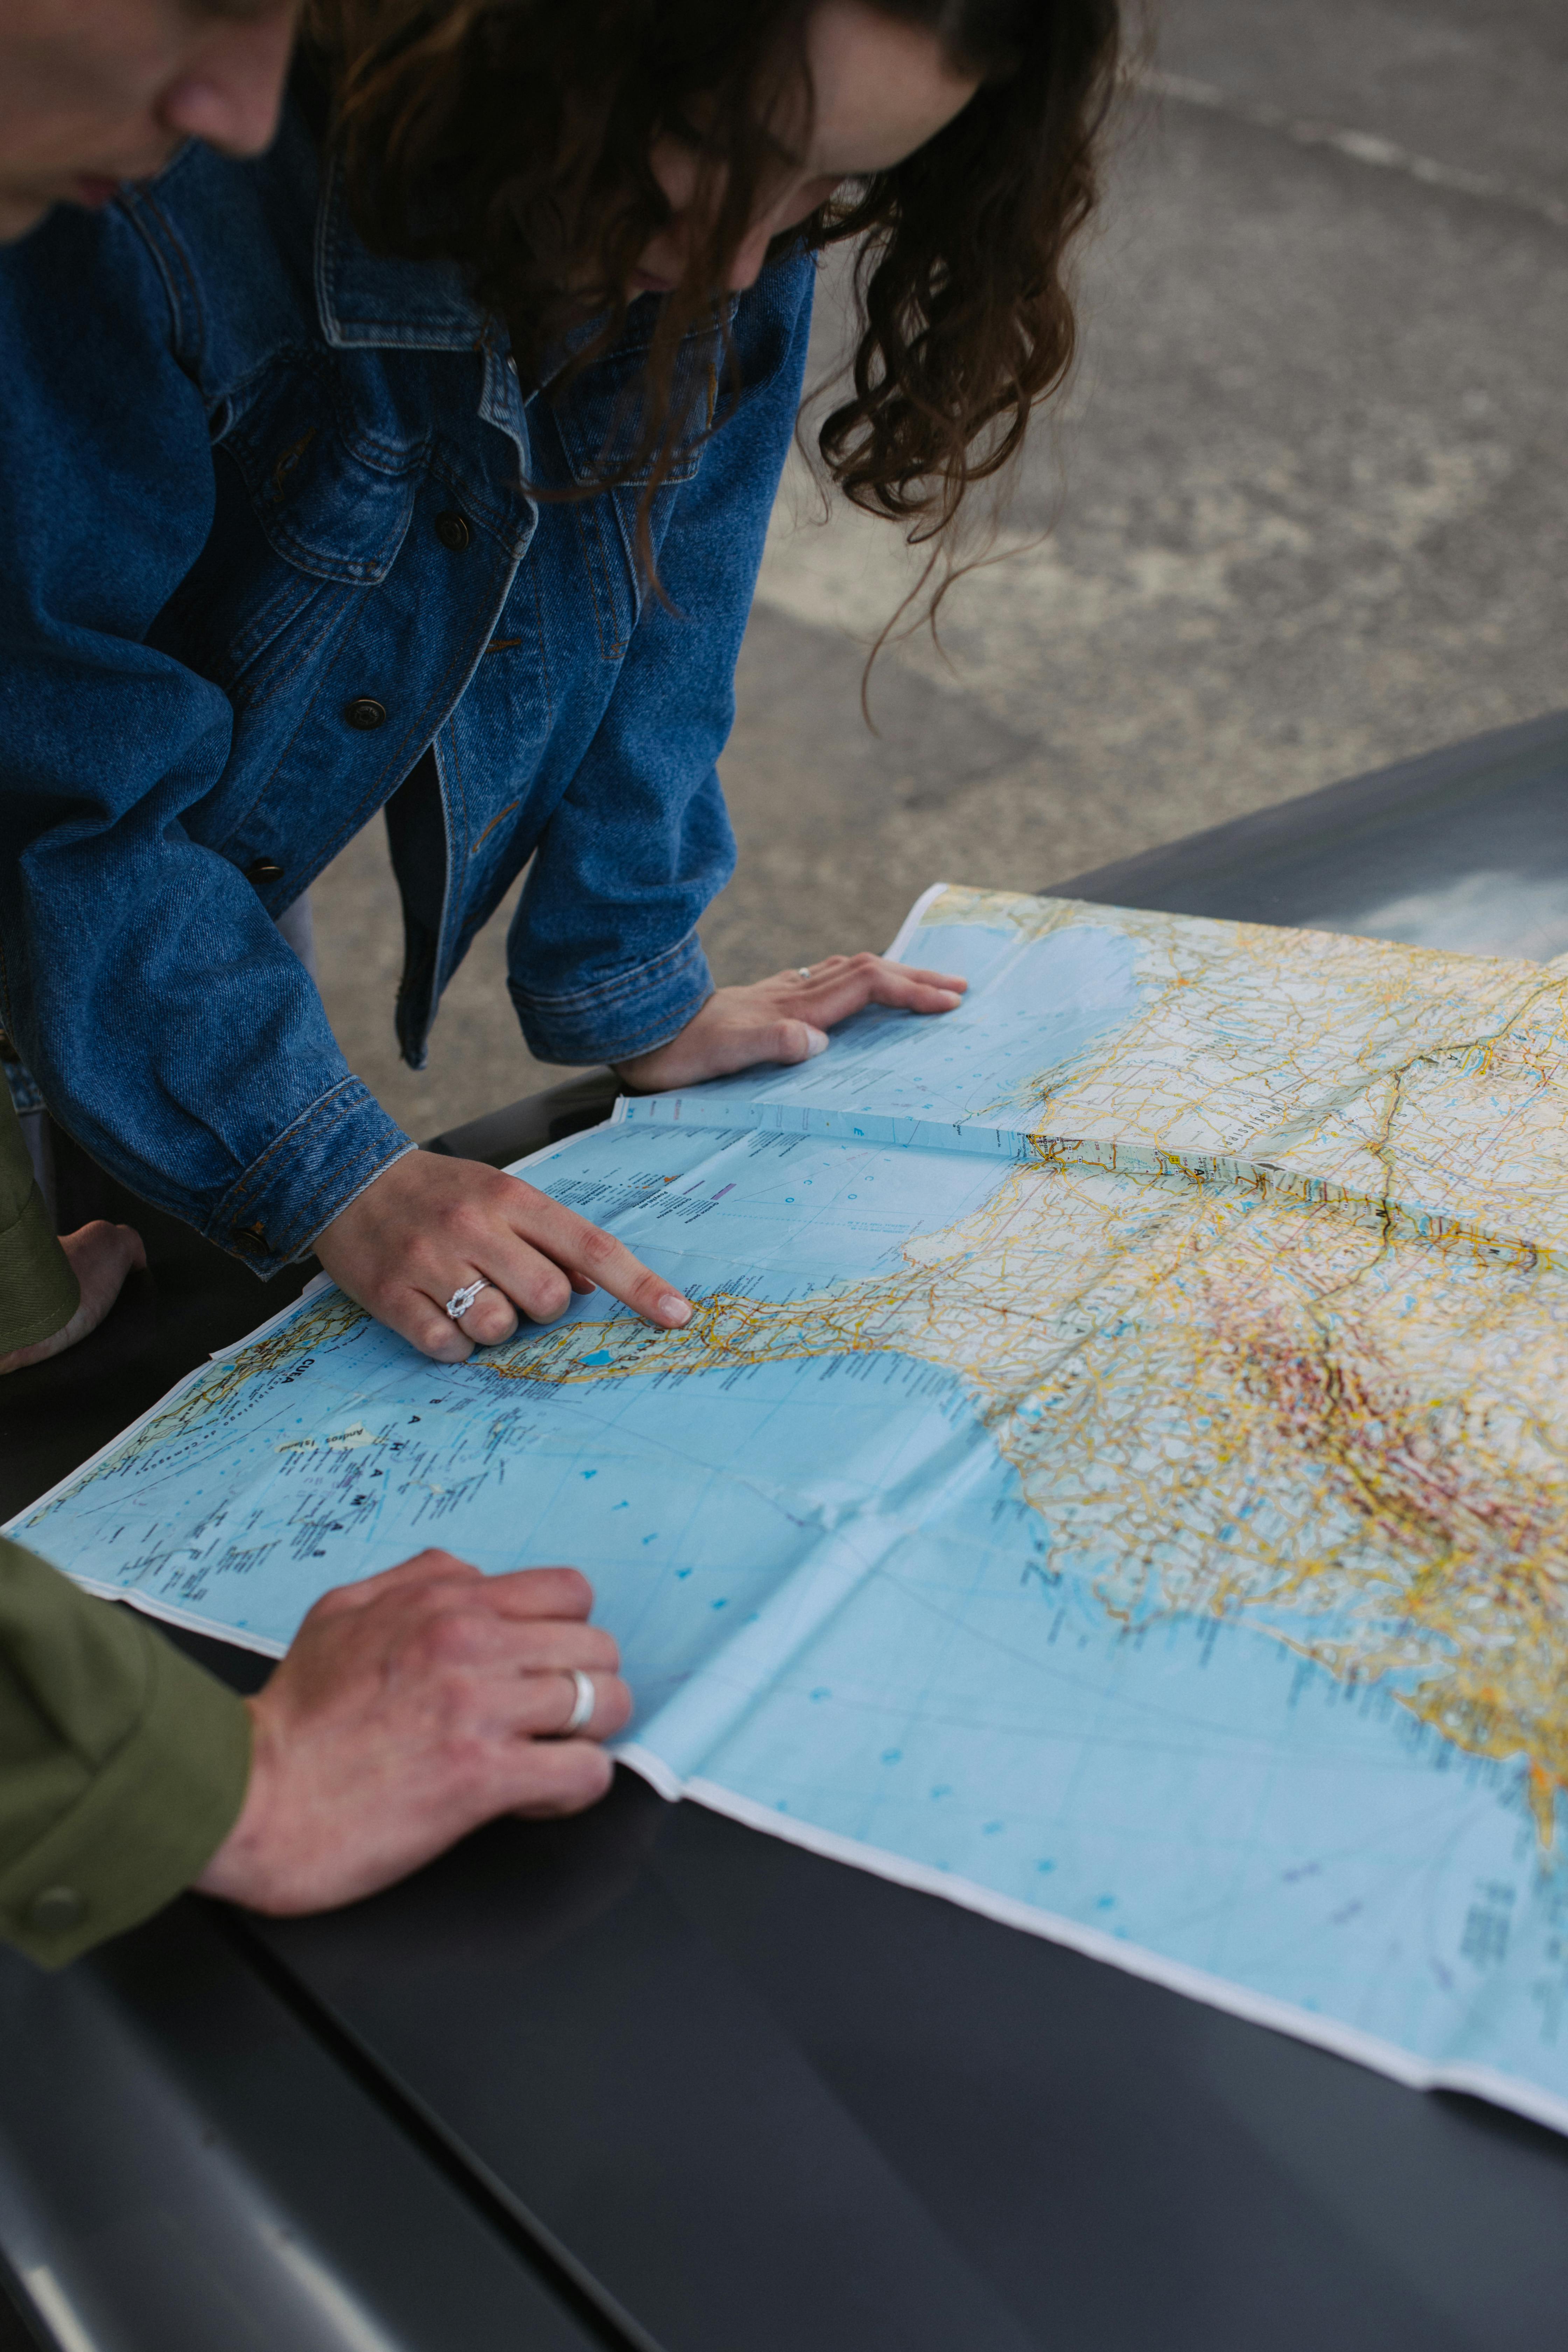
(429, 1226)
(411, 1708)
(786, 1019)
(101, 1255)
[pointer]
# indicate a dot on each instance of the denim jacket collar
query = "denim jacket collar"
(376, 301)
(379, 300)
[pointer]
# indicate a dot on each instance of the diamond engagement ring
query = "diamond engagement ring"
(583, 1702)
(461, 1300)
(803, 970)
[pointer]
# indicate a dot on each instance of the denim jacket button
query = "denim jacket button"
(452, 530)
(365, 713)
(261, 870)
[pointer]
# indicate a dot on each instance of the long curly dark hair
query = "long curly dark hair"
(514, 136)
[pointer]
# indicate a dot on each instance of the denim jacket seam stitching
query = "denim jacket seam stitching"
(543, 647)
(587, 553)
(658, 523)
(622, 985)
(464, 658)
(348, 571)
(267, 624)
(646, 1038)
(352, 572)
(254, 693)
(376, 797)
(277, 682)
(288, 354)
(167, 250)
(268, 782)
(387, 457)
(390, 458)
(330, 244)
(328, 1111)
(619, 637)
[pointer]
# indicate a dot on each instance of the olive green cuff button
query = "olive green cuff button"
(55, 1909)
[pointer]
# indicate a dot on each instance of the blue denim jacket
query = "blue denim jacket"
(265, 540)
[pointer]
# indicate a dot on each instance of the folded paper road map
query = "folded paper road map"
(1116, 1478)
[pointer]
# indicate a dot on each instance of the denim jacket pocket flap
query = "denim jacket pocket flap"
(600, 420)
(324, 507)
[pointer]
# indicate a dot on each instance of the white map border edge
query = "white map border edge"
(1135, 1960)
(914, 918)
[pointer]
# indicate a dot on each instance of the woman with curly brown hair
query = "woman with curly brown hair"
(425, 465)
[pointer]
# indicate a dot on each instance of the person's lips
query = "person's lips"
(96, 188)
(644, 282)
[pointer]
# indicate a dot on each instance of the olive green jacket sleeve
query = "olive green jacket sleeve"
(38, 1292)
(122, 1764)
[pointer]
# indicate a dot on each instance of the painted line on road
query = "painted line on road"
(1361, 146)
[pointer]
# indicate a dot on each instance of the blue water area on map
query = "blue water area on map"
(339, 1464)
(1035, 1006)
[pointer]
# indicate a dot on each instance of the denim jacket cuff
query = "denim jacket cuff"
(306, 1176)
(632, 1014)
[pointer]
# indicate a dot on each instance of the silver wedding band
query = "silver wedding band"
(583, 1704)
(461, 1300)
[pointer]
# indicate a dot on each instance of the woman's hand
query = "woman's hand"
(786, 1019)
(409, 1709)
(428, 1226)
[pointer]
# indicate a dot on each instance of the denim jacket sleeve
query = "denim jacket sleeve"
(167, 1024)
(640, 842)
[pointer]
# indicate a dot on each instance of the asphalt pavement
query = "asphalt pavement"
(1302, 510)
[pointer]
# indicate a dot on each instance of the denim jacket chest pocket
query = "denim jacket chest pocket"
(333, 495)
(307, 516)
(599, 424)
(331, 470)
